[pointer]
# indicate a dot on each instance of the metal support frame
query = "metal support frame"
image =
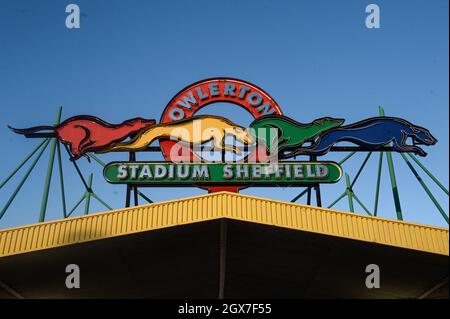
(361, 204)
(101, 163)
(377, 191)
(299, 195)
(360, 170)
(78, 170)
(88, 196)
(398, 207)
(414, 158)
(127, 196)
(350, 196)
(27, 174)
(76, 205)
(48, 178)
(61, 179)
(349, 188)
(55, 149)
(342, 161)
(308, 200)
(426, 189)
(135, 189)
(349, 193)
(307, 189)
(313, 158)
(11, 175)
(101, 201)
(337, 199)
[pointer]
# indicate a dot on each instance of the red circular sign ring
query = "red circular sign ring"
(195, 96)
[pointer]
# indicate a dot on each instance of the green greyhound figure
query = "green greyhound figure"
(289, 134)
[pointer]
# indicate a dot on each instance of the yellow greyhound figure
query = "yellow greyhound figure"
(196, 130)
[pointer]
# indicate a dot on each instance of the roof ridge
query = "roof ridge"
(217, 194)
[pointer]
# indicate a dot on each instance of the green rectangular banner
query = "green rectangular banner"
(255, 174)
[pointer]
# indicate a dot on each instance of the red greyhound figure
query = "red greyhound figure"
(86, 133)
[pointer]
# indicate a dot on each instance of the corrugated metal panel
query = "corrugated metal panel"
(223, 205)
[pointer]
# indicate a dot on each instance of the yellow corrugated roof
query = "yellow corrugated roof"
(223, 205)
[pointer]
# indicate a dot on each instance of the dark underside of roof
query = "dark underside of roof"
(225, 257)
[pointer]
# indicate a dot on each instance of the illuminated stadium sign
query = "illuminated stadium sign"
(163, 173)
(197, 148)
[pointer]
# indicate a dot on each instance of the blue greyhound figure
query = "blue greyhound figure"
(371, 134)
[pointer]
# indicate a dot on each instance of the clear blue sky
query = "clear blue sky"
(316, 58)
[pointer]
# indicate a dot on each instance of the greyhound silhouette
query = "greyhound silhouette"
(86, 133)
(372, 134)
(290, 134)
(194, 131)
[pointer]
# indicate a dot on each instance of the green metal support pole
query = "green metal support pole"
(349, 194)
(22, 164)
(377, 191)
(428, 173)
(398, 207)
(361, 204)
(145, 197)
(360, 169)
(308, 197)
(61, 179)
(27, 174)
(95, 158)
(77, 204)
(101, 201)
(99, 161)
(338, 199)
(48, 178)
(299, 195)
(424, 186)
(342, 161)
(88, 195)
